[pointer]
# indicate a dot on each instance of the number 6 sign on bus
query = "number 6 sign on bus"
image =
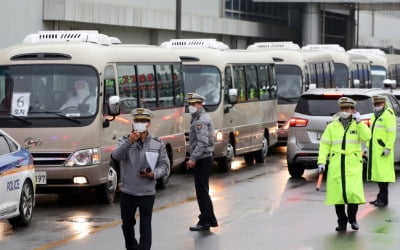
(20, 103)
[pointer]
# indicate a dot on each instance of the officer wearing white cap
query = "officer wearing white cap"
(143, 160)
(201, 147)
(341, 142)
(380, 155)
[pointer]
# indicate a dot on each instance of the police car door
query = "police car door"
(10, 177)
(396, 108)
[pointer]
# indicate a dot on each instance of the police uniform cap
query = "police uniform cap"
(194, 98)
(378, 99)
(345, 102)
(142, 114)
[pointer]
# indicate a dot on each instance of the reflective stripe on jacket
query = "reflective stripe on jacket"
(383, 130)
(344, 183)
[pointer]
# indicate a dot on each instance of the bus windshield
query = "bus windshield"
(203, 80)
(48, 91)
(289, 83)
(341, 75)
(378, 74)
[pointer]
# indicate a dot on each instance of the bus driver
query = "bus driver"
(83, 96)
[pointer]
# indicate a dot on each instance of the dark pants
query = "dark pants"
(129, 204)
(351, 213)
(201, 172)
(383, 192)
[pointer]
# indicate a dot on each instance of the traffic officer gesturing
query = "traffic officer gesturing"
(341, 142)
(201, 144)
(143, 159)
(381, 156)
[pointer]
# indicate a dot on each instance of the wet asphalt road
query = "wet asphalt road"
(258, 207)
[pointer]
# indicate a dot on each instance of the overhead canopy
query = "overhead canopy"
(361, 4)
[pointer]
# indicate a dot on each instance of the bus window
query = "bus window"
(109, 86)
(289, 81)
(178, 85)
(147, 86)
(127, 87)
(327, 75)
(341, 75)
(165, 86)
(240, 82)
(251, 80)
(312, 72)
(228, 83)
(320, 75)
(272, 83)
(263, 79)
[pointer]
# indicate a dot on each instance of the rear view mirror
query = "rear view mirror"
(114, 105)
(232, 96)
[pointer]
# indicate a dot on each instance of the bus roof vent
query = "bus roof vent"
(90, 36)
(274, 45)
(367, 52)
(195, 43)
(324, 47)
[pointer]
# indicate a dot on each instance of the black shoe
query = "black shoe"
(379, 203)
(373, 202)
(341, 228)
(199, 227)
(214, 224)
(354, 226)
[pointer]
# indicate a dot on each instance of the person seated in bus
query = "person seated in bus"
(209, 90)
(82, 101)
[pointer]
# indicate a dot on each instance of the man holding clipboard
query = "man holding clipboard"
(143, 160)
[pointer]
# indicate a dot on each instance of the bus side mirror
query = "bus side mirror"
(232, 96)
(114, 105)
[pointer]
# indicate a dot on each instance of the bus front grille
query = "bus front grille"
(49, 159)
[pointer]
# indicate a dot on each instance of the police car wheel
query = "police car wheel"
(295, 170)
(106, 192)
(25, 206)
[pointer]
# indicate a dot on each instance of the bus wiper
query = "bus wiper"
(59, 114)
(19, 118)
(285, 99)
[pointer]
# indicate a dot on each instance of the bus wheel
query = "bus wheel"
(295, 170)
(106, 192)
(25, 206)
(261, 155)
(225, 163)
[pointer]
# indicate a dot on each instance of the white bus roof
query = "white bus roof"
(195, 43)
(377, 52)
(325, 47)
(286, 45)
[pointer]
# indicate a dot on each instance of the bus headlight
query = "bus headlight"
(84, 157)
(219, 136)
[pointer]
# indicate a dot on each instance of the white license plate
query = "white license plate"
(40, 177)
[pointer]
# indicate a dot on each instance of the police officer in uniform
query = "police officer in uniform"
(143, 160)
(201, 144)
(341, 142)
(381, 155)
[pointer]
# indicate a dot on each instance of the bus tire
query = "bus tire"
(25, 206)
(249, 158)
(225, 163)
(106, 192)
(295, 170)
(261, 155)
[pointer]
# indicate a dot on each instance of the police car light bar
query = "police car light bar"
(195, 43)
(324, 47)
(90, 36)
(274, 46)
(367, 52)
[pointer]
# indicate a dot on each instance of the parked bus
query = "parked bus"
(72, 146)
(351, 70)
(379, 64)
(240, 91)
(296, 71)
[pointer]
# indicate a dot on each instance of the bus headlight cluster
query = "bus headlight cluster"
(84, 157)
(219, 136)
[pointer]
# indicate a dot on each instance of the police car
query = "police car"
(17, 182)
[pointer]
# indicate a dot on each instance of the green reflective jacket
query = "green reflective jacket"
(344, 184)
(383, 130)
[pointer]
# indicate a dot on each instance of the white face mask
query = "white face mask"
(378, 109)
(140, 126)
(344, 115)
(192, 109)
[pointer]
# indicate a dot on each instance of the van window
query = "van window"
(127, 87)
(240, 82)
(252, 82)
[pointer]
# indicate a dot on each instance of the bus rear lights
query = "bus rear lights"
(80, 180)
(297, 122)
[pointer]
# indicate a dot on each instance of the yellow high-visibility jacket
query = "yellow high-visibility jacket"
(383, 131)
(344, 183)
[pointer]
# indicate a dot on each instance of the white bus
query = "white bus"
(72, 146)
(351, 70)
(296, 71)
(393, 61)
(240, 97)
(379, 64)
